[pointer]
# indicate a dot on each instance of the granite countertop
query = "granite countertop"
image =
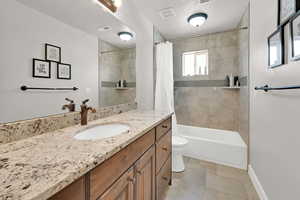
(38, 167)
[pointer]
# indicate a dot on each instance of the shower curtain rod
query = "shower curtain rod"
(117, 50)
(238, 29)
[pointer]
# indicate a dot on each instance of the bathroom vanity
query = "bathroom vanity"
(142, 170)
(133, 165)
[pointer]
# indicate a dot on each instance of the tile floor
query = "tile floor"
(207, 181)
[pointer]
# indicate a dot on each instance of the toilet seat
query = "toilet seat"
(178, 141)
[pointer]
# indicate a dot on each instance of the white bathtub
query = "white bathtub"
(218, 146)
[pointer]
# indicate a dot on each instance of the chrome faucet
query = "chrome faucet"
(70, 106)
(84, 112)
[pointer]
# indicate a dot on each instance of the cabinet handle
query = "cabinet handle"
(139, 172)
(165, 178)
(164, 126)
(165, 148)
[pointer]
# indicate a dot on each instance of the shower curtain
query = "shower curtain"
(164, 90)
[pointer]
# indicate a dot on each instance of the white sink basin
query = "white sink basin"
(102, 132)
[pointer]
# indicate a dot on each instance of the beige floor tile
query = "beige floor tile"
(229, 172)
(251, 192)
(210, 194)
(225, 185)
(208, 181)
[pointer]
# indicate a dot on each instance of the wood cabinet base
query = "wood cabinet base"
(141, 171)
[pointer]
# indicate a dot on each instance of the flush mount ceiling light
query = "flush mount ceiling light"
(197, 19)
(117, 3)
(125, 36)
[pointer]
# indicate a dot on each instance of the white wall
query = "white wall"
(23, 34)
(274, 116)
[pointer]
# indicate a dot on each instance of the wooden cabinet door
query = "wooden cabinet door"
(75, 191)
(122, 189)
(163, 180)
(145, 176)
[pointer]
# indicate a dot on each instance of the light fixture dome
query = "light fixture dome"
(117, 3)
(197, 19)
(125, 36)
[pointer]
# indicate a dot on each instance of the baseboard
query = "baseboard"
(258, 187)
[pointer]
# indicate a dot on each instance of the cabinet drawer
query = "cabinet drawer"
(163, 180)
(163, 150)
(163, 128)
(103, 176)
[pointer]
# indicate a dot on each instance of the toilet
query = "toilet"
(178, 144)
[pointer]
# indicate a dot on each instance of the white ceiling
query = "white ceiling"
(85, 15)
(222, 15)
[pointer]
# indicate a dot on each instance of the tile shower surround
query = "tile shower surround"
(15, 131)
(201, 102)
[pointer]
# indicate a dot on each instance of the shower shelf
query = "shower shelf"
(121, 88)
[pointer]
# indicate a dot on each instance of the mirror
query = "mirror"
(117, 73)
(51, 52)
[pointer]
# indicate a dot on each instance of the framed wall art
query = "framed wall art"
(64, 71)
(53, 53)
(286, 9)
(295, 36)
(41, 68)
(276, 48)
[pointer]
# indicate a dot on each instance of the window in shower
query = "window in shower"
(195, 63)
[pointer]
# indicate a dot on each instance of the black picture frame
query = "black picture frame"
(285, 21)
(47, 46)
(35, 73)
(293, 56)
(279, 31)
(59, 65)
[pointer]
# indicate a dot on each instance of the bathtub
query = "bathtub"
(218, 146)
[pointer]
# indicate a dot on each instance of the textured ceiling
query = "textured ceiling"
(222, 15)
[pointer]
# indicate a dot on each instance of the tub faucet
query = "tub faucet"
(70, 106)
(84, 112)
